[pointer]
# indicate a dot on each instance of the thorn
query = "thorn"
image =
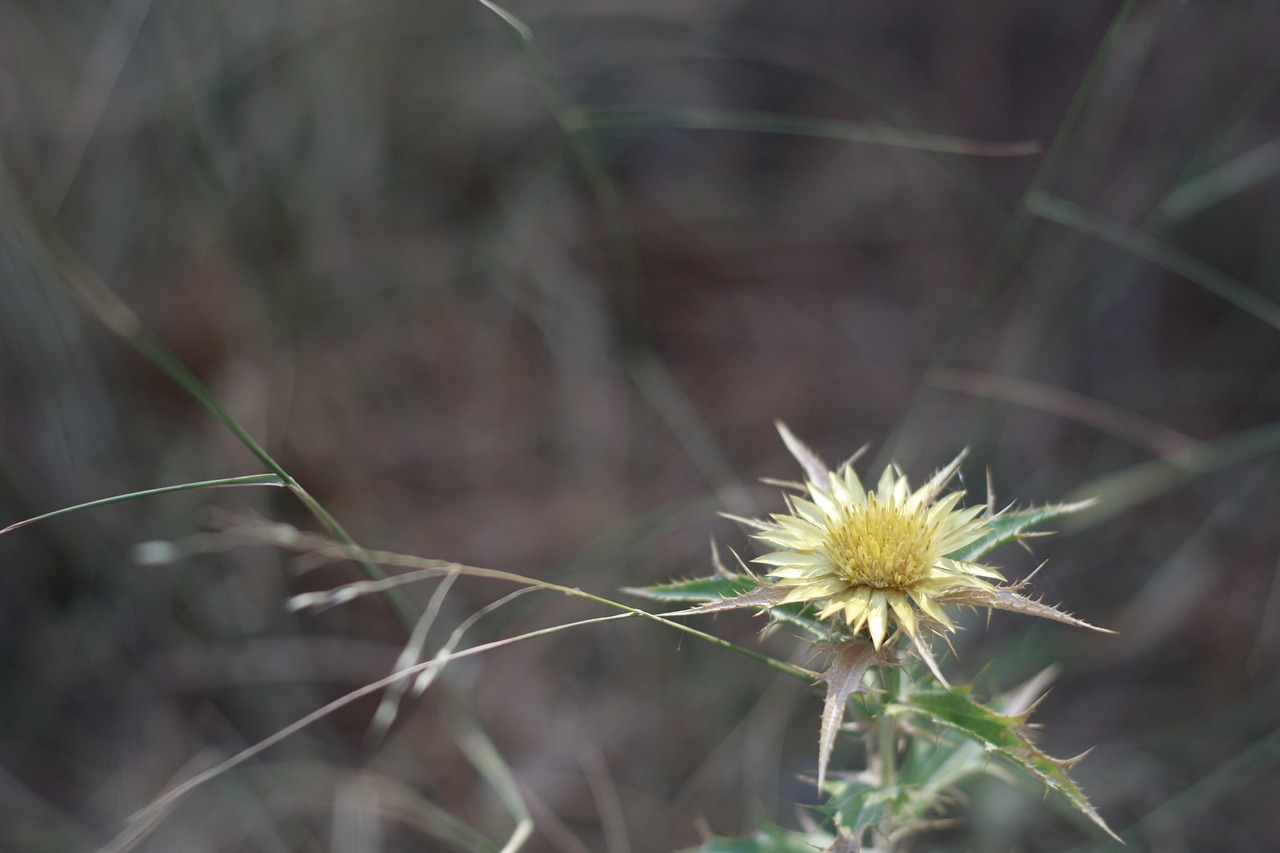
(749, 522)
(784, 484)
(745, 567)
(857, 454)
(1072, 762)
(716, 562)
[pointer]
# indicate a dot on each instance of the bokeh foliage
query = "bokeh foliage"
(536, 304)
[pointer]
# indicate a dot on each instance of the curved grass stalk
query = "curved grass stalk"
(704, 118)
(1124, 489)
(286, 537)
(112, 312)
(1156, 251)
(109, 309)
(1013, 238)
(422, 673)
(146, 820)
(1238, 772)
(1130, 427)
(249, 480)
(583, 148)
(520, 28)
(488, 762)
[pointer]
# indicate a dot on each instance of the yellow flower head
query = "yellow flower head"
(879, 556)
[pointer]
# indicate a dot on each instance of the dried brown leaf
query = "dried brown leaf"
(814, 468)
(850, 661)
(1007, 598)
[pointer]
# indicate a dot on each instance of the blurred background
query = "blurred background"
(535, 304)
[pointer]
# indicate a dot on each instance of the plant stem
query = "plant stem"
(887, 738)
(887, 728)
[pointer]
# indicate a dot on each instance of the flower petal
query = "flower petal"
(902, 611)
(855, 608)
(877, 612)
(926, 603)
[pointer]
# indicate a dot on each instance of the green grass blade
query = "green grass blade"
(488, 762)
(702, 118)
(1231, 178)
(1119, 491)
(1016, 232)
(104, 305)
(1063, 212)
(250, 480)
(583, 148)
(1241, 771)
(519, 27)
(1105, 417)
(112, 312)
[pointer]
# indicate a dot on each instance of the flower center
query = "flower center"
(881, 546)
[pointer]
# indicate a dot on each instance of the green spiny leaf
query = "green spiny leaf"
(1010, 526)
(1003, 734)
(959, 710)
(727, 592)
(858, 805)
(849, 664)
(711, 588)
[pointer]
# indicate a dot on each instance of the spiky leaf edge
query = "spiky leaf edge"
(1003, 734)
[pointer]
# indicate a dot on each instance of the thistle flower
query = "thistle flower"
(877, 556)
(875, 566)
(885, 560)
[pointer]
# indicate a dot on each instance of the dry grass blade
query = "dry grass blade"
(698, 118)
(814, 468)
(1135, 429)
(250, 480)
(1004, 598)
(1158, 252)
(409, 656)
(144, 821)
(764, 596)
